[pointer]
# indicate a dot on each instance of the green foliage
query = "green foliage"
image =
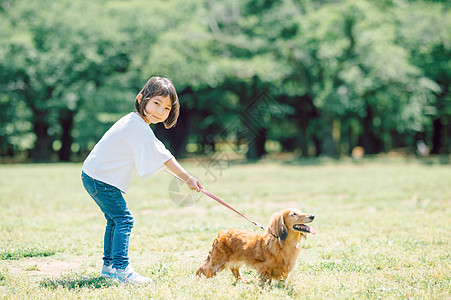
(346, 73)
(53, 60)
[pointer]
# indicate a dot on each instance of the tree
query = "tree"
(426, 31)
(349, 66)
(53, 59)
(326, 75)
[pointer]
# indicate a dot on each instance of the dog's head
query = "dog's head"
(290, 220)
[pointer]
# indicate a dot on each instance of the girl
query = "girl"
(128, 148)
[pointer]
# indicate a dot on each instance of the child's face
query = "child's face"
(157, 109)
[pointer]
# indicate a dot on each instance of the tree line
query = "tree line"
(315, 77)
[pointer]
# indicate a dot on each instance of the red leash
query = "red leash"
(212, 196)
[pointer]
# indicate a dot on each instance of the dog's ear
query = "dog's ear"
(278, 228)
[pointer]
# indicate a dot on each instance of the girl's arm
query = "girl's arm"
(192, 182)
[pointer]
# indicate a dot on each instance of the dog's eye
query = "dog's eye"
(293, 214)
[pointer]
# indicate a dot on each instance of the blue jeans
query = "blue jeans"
(119, 220)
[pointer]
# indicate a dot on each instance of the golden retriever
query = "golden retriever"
(272, 254)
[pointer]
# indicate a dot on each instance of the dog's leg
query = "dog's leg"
(237, 274)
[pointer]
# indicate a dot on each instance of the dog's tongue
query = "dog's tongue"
(311, 230)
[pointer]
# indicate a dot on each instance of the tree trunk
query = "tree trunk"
(368, 140)
(437, 136)
(42, 151)
(256, 144)
(66, 122)
(303, 140)
(305, 111)
(329, 145)
(253, 118)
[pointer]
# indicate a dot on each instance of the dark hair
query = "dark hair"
(159, 86)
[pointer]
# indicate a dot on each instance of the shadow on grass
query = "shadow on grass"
(315, 161)
(436, 160)
(376, 158)
(297, 161)
(288, 287)
(265, 287)
(15, 254)
(92, 282)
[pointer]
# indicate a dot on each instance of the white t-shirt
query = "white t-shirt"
(128, 148)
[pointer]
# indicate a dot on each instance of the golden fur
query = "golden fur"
(272, 254)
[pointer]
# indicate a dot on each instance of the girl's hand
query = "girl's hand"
(194, 184)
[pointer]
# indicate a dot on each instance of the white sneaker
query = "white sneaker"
(107, 271)
(129, 275)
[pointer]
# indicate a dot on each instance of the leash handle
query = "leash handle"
(214, 197)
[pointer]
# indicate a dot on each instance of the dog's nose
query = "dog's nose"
(312, 217)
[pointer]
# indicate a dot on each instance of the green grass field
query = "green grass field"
(383, 231)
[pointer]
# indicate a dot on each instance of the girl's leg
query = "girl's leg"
(113, 205)
(121, 239)
(108, 241)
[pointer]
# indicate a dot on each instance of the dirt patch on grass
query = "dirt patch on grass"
(46, 266)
